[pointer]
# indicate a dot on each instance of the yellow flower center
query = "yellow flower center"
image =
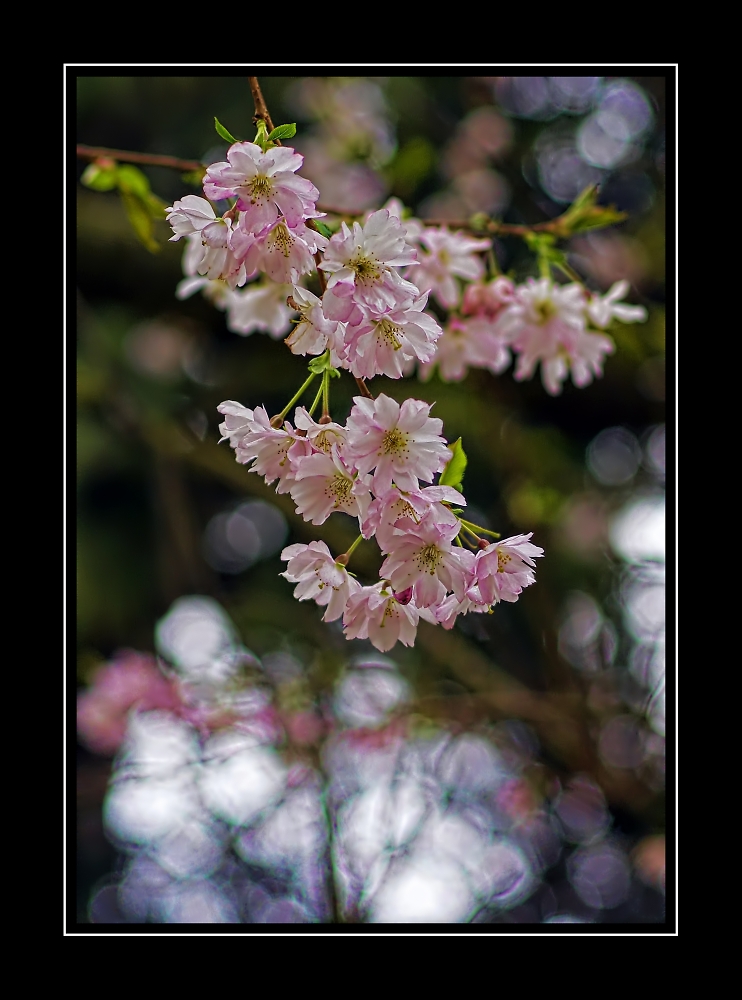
(393, 442)
(390, 333)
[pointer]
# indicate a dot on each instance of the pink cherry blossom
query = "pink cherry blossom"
(546, 324)
(467, 343)
(487, 299)
(323, 483)
(268, 447)
(319, 578)
(412, 227)
(374, 613)
(403, 444)
(314, 333)
(450, 255)
(284, 253)
(385, 511)
(382, 342)
(193, 216)
(361, 263)
(422, 557)
(265, 185)
(131, 680)
(504, 568)
(322, 437)
(219, 263)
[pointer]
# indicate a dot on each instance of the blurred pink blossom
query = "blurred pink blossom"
(131, 680)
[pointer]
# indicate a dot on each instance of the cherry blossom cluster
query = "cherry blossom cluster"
(387, 466)
(372, 468)
(379, 275)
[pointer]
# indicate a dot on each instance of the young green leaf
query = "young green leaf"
(100, 176)
(453, 474)
(283, 132)
(140, 218)
(320, 364)
(322, 229)
(598, 218)
(131, 180)
(223, 132)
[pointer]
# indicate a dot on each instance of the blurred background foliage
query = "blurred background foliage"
(155, 489)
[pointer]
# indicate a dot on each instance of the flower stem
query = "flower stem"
(345, 557)
(317, 398)
(478, 527)
(570, 272)
(297, 397)
(469, 531)
(326, 393)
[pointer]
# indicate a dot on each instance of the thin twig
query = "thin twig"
(148, 159)
(261, 108)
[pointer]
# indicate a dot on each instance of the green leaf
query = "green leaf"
(131, 180)
(283, 132)
(320, 364)
(585, 213)
(100, 175)
(585, 200)
(453, 474)
(223, 132)
(141, 220)
(156, 206)
(598, 218)
(322, 229)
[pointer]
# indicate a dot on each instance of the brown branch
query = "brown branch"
(554, 226)
(364, 389)
(148, 159)
(261, 108)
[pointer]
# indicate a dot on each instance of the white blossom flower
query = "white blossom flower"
(240, 421)
(188, 216)
(603, 308)
(260, 307)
